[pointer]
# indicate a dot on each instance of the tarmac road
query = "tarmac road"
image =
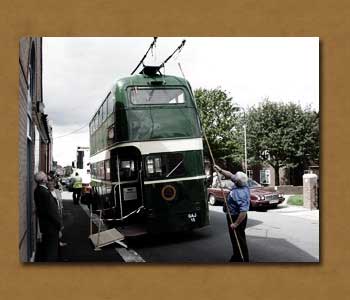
(271, 237)
(288, 234)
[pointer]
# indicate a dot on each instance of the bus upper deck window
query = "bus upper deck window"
(145, 96)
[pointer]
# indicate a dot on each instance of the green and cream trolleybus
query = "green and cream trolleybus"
(147, 154)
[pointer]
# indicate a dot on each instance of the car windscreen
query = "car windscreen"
(147, 96)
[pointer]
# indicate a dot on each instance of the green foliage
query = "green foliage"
(218, 115)
(288, 133)
(296, 200)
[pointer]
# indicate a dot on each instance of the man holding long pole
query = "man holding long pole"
(238, 205)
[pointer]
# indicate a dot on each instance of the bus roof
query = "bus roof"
(144, 80)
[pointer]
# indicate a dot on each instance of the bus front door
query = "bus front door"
(127, 186)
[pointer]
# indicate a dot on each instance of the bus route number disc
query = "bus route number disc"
(168, 192)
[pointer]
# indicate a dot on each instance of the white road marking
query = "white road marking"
(129, 255)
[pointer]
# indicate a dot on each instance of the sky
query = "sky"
(79, 72)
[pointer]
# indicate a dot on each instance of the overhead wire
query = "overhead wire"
(70, 133)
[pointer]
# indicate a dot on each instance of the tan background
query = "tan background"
(327, 19)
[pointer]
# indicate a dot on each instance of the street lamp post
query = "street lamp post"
(245, 141)
(245, 147)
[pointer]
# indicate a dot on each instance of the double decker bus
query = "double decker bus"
(146, 150)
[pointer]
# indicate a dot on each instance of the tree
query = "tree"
(218, 118)
(283, 135)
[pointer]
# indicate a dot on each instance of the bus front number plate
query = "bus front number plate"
(192, 217)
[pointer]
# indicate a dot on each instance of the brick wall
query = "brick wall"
(22, 155)
(287, 189)
(27, 219)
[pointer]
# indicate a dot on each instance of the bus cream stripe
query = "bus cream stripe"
(175, 179)
(153, 181)
(159, 146)
(100, 156)
(113, 182)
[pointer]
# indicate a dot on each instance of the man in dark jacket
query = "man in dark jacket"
(49, 218)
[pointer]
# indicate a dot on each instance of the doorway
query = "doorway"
(126, 167)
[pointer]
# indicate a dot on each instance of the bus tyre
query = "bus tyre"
(212, 200)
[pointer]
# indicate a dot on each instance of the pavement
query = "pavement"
(76, 234)
(296, 211)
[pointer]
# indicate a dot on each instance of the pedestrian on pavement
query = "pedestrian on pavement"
(238, 201)
(49, 218)
(54, 188)
(77, 186)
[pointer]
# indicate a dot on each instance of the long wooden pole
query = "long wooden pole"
(223, 196)
(213, 160)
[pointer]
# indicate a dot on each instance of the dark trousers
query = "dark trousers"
(240, 232)
(49, 247)
(76, 195)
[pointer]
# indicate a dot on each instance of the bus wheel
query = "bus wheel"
(212, 200)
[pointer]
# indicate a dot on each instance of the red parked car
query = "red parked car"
(259, 197)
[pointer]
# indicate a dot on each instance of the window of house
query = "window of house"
(30, 93)
(265, 176)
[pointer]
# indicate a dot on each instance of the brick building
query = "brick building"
(35, 140)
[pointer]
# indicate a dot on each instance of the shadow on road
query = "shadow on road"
(217, 228)
(266, 250)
